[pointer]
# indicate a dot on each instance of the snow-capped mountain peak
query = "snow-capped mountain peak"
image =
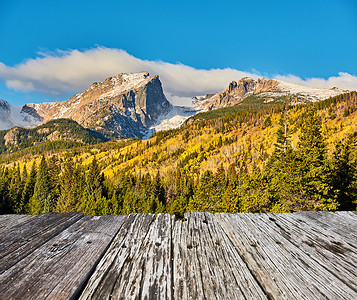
(123, 105)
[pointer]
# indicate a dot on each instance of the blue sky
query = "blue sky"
(42, 41)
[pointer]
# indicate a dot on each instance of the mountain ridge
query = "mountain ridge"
(135, 105)
(267, 88)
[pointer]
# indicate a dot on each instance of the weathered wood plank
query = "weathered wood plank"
(309, 255)
(284, 270)
(9, 221)
(60, 267)
(206, 265)
(120, 274)
(326, 248)
(25, 237)
(155, 261)
(342, 224)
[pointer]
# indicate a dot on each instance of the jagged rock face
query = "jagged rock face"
(237, 91)
(124, 105)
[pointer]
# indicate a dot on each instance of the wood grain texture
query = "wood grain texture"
(59, 268)
(342, 224)
(121, 272)
(332, 251)
(9, 221)
(284, 269)
(22, 239)
(206, 265)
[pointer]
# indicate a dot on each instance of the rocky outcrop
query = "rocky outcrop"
(237, 91)
(268, 90)
(122, 106)
(12, 136)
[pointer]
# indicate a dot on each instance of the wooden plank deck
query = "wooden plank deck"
(306, 255)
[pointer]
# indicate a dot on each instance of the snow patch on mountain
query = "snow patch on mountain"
(180, 101)
(126, 82)
(312, 94)
(174, 119)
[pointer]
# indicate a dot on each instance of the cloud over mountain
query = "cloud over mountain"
(343, 81)
(64, 72)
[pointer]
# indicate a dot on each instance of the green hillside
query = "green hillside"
(53, 131)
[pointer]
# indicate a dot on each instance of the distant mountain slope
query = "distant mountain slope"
(56, 130)
(268, 89)
(126, 105)
(17, 115)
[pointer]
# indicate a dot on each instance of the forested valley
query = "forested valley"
(282, 158)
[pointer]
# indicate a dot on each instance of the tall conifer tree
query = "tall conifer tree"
(28, 188)
(313, 166)
(42, 200)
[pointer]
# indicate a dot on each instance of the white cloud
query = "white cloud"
(64, 72)
(73, 71)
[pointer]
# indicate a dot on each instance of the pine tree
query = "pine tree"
(113, 206)
(94, 201)
(42, 200)
(282, 144)
(5, 204)
(70, 191)
(313, 166)
(178, 206)
(220, 181)
(344, 174)
(54, 169)
(15, 189)
(130, 202)
(159, 191)
(281, 170)
(28, 189)
(24, 175)
(254, 192)
(204, 197)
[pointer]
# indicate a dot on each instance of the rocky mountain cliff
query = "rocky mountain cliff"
(126, 105)
(267, 89)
